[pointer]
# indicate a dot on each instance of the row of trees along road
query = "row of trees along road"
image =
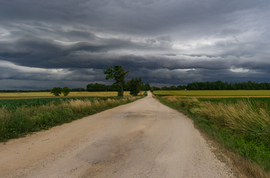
(118, 74)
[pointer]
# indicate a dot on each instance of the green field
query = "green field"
(17, 103)
(12, 100)
(214, 93)
(30, 95)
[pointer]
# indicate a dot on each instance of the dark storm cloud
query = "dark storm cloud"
(126, 16)
(49, 54)
(45, 53)
(165, 42)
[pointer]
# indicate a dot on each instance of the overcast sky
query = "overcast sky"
(51, 43)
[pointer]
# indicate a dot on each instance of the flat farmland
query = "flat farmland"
(214, 93)
(31, 95)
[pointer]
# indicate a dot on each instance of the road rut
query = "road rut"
(140, 139)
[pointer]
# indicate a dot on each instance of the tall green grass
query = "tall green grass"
(22, 120)
(240, 125)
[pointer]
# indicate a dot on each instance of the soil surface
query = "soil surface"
(140, 139)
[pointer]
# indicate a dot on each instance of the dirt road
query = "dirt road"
(140, 139)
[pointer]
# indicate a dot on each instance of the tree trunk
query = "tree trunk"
(122, 90)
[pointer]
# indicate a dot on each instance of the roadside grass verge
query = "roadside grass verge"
(242, 127)
(22, 120)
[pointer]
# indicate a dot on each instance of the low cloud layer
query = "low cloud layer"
(70, 43)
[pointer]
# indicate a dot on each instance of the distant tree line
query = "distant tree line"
(78, 89)
(179, 87)
(219, 85)
(114, 87)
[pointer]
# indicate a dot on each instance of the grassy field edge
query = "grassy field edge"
(213, 93)
(36, 95)
(24, 120)
(233, 145)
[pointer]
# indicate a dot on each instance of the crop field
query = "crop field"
(42, 98)
(29, 95)
(214, 93)
(17, 103)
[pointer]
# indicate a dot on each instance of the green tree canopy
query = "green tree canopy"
(117, 73)
(56, 91)
(134, 85)
(147, 87)
(65, 91)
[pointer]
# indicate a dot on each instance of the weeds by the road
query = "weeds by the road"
(241, 126)
(23, 120)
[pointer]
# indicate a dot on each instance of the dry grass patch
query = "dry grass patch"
(242, 116)
(78, 105)
(31, 95)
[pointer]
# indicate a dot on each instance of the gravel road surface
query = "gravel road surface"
(140, 139)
